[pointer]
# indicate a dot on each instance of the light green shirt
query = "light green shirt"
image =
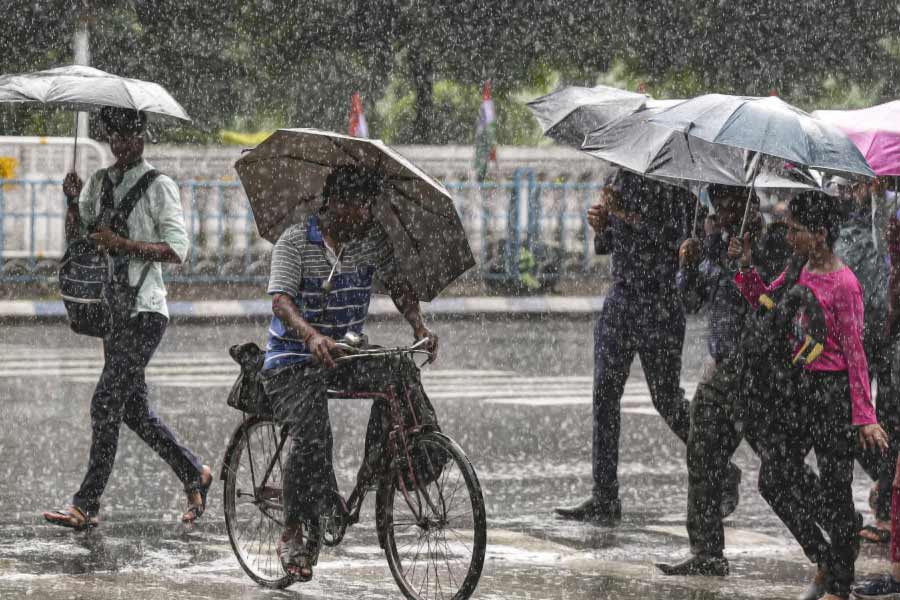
(157, 217)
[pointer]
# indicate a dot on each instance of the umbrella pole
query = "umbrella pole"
(75, 146)
(896, 193)
(747, 208)
(756, 169)
(696, 215)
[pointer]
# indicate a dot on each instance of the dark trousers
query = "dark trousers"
(881, 467)
(121, 395)
(712, 442)
(657, 338)
(818, 417)
(299, 398)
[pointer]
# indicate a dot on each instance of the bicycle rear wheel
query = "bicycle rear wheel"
(435, 533)
(253, 499)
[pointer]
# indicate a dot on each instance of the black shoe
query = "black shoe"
(731, 491)
(699, 564)
(593, 511)
(882, 588)
(814, 591)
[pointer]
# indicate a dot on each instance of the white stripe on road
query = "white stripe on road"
(500, 387)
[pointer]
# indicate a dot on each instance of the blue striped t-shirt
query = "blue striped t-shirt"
(301, 263)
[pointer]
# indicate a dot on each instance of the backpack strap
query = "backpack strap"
(116, 218)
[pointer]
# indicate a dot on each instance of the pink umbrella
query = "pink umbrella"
(875, 131)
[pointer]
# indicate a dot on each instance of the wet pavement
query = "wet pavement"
(515, 395)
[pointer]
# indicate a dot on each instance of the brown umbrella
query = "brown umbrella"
(284, 177)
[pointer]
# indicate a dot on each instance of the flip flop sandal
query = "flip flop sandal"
(883, 535)
(197, 510)
(294, 558)
(71, 517)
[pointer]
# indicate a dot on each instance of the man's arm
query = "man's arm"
(408, 304)
(320, 346)
(165, 208)
(692, 287)
(72, 186)
(146, 251)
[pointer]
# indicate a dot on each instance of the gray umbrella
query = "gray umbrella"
(767, 125)
(83, 88)
(284, 177)
(569, 114)
(638, 144)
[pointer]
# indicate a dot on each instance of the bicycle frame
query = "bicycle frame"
(397, 449)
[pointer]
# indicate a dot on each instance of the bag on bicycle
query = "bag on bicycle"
(247, 393)
(93, 283)
(427, 463)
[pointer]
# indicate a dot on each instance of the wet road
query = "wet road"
(515, 395)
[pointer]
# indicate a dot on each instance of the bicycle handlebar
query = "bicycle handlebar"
(352, 352)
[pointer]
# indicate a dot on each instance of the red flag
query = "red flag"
(485, 134)
(358, 126)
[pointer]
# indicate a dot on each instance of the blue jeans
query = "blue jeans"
(121, 395)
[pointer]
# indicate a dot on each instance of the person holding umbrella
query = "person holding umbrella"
(155, 234)
(831, 408)
(640, 222)
(717, 428)
(321, 281)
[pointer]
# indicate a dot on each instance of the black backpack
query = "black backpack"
(94, 284)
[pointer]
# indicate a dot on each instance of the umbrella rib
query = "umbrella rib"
(415, 201)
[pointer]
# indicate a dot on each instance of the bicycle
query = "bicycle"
(432, 551)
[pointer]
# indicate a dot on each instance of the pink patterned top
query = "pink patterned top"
(840, 295)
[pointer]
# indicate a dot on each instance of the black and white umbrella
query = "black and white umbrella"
(284, 177)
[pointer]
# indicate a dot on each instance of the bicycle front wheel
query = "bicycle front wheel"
(433, 524)
(253, 499)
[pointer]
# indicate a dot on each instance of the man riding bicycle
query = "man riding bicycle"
(321, 282)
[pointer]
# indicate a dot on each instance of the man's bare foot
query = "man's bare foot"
(877, 533)
(71, 517)
(293, 554)
(197, 497)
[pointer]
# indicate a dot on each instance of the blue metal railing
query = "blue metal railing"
(504, 221)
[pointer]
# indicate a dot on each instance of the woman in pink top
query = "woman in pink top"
(834, 405)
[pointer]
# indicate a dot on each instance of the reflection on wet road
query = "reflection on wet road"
(516, 395)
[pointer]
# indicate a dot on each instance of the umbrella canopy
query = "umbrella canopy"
(875, 131)
(285, 175)
(767, 125)
(85, 88)
(638, 144)
(567, 115)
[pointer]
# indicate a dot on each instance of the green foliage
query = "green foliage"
(251, 65)
(455, 114)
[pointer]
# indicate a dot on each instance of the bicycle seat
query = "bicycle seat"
(249, 356)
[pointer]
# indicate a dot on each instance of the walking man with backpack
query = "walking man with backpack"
(133, 215)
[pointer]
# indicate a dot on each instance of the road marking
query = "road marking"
(735, 539)
(216, 370)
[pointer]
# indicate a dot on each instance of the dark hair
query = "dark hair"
(817, 210)
(352, 183)
(123, 121)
